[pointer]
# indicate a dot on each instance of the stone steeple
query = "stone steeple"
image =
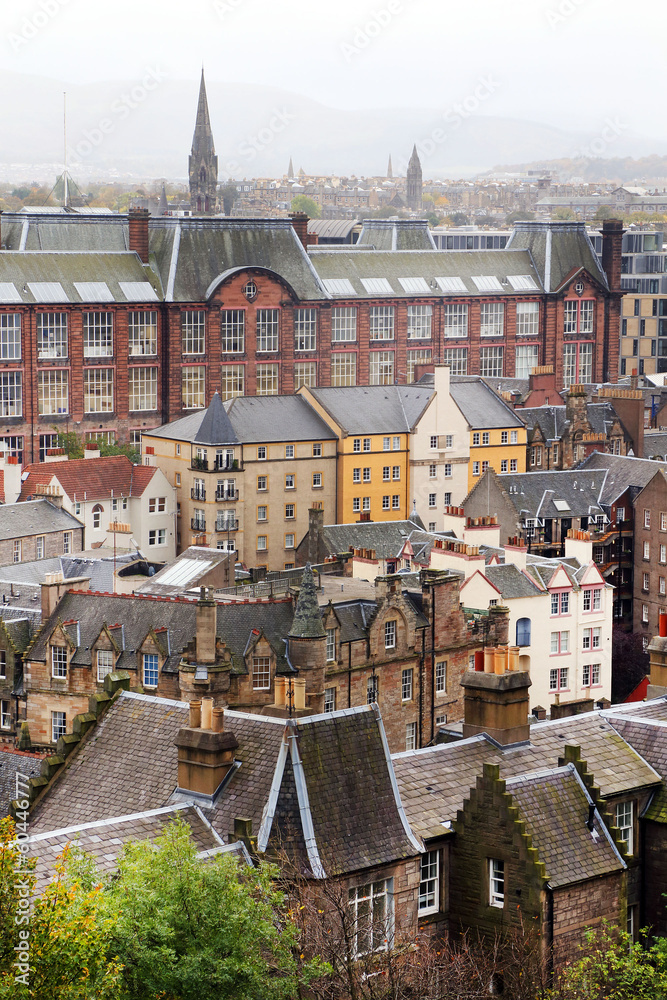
(414, 182)
(290, 170)
(390, 171)
(203, 163)
(307, 623)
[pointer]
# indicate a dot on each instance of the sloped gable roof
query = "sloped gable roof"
(92, 478)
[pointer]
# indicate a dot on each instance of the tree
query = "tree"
(457, 219)
(563, 215)
(629, 663)
(614, 967)
(605, 212)
(60, 945)
(228, 194)
(186, 929)
(518, 216)
(302, 203)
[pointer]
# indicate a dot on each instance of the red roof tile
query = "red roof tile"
(93, 477)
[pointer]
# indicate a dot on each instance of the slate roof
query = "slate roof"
(94, 478)
(558, 249)
(74, 232)
(137, 615)
(553, 422)
(434, 782)
(554, 805)
(250, 419)
(396, 234)
(480, 405)
(533, 493)
(622, 472)
(28, 577)
(427, 264)
(103, 840)
(648, 735)
(354, 618)
(373, 409)
(511, 582)
(236, 622)
(385, 537)
(13, 762)
(34, 517)
(68, 268)
(655, 443)
(192, 255)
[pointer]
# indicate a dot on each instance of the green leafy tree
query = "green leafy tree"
(563, 215)
(457, 219)
(613, 967)
(228, 194)
(519, 216)
(605, 212)
(302, 203)
(185, 930)
(56, 949)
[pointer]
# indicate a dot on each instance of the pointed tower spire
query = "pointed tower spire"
(414, 182)
(290, 170)
(390, 172)
(203, 163)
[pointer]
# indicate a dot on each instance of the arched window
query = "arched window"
(97, 516)
(523, 632)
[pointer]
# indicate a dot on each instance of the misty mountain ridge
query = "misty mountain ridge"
(143, 129)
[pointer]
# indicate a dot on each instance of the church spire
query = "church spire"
(390, 172)
(414, 182)
(203, 163)
(290, 170)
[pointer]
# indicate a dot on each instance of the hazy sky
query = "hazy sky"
(569, 63)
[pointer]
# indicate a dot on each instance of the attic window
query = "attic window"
(561, 505)
(261, 673)
(250, 290)
(522, 282)
(487, 283)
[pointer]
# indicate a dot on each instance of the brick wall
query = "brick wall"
(578, 907)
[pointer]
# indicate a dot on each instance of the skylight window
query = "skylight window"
(138, 291)
(48, 291)
(8, 292)
(93, 291)
(339, 286)
(487, 283)
(522, 282)
(561, 505)
(451, 284)
(377, 286)
(414, 284)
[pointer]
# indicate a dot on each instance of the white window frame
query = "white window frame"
(390, 631)
(58, 725)
(150, 665)
(193, 331)
(429, 883)
(441, 677)
(105, 663)
(372, 905)
(624, 820)
(406, 684)
(59, 662)
(496, 874)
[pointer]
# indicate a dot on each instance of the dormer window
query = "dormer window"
(104, 663)
(261, 673)
(58, 662)
(150, 670)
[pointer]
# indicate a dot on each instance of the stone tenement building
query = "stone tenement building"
(406, 650)
(112, 325)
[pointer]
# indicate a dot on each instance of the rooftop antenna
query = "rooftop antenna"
(66, 191)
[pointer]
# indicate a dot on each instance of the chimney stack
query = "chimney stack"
(300, 224)
(612, 244)
(138, 232)
(497, 703)
(56, 586)
(206, 751)
(206, 620)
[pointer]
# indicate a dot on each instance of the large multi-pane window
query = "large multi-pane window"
(578, 316)
(491, 318)
(372, 912)
(232, 331)
(58, 661)
(343, 324)
(142, 333)
(417, 358)
(11, 394)
(381, 368)
(150, 671)
(305, 329)
(456, 320)
(381, 322)
(305, 373)
(193, 387)
(97, 334)
(625, 824)
(142, 388)
(51, 335)
(58, 726)
(52, 392)
(577, 363)
(104, 663)
(344, 368)
(527, 319)
(232, 382)
(457, 359)
(267, 380)
(261, 673)
(193, 331)
(331, 645)
(10, 337)
(491, 362)
(419, 322)
(98, 390)
(526, 359)
(429, 883)
(268, 325)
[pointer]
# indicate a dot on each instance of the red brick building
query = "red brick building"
(114, 324)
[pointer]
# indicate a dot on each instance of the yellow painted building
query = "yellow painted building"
(373, 426)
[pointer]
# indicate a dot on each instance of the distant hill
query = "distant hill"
(145, 128)
(621, 170)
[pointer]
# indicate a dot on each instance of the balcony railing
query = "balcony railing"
(197, 493)
(197, 525)
(222, 495)
(225, 465)
(228, 524)
(199, 464)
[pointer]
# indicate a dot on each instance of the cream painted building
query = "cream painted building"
(246, 474)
